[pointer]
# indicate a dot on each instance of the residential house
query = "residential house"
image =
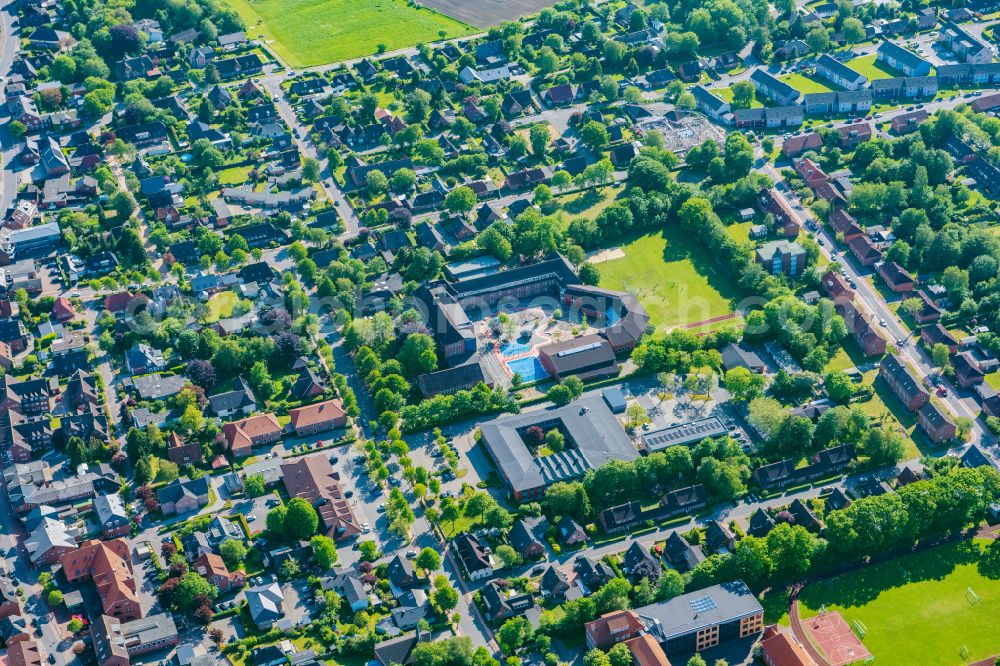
(181, 453)
(318, 417)
(111, 516)
(908, 62)
(211, 567)
(838, 73)
(782, 257)
(937, 423)
(501, 602)
(938, 334)
(108, 565)
(184, 495)
(903, 383)
(773, 88)
(896, 278)
(314, 479)
(681, 554)
(241, 436)
(266, 605)
(473, 557)
(523, 539)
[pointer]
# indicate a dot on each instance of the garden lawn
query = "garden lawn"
(869, 67)
(591, 203)
(727, 94)
(806, 84)
(993, 379)
(234, 175)
(316, 32)
(915, 607)
(221, 305)
(673, 278)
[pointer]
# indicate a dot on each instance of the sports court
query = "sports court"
(835, 638)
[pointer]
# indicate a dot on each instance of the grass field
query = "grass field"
(727, 94)
(589, 204)
(806, 84)
(221, 305)
(673, 278)
(915, 608)
(234, 175)
(993, 379)
(315, 32)
(873, 70)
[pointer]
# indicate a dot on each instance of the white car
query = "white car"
(882, 322)
(365, 528)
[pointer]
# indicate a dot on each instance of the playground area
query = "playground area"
(839, 643)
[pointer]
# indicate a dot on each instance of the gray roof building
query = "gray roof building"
(688, 613)
(683, 434)
(594, 436)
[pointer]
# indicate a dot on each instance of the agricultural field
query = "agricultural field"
(918, 609)
(873, 70)
(311, 32)
(673, 278)
(487, 13)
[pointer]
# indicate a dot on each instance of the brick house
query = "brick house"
(314, 479)
(938, 334)
(183, 495)
(319, 417)
(180, 453)
(107, 564)
(904, 384)
(241, 436)
(211, 567)
(896, 278)
(936, 423)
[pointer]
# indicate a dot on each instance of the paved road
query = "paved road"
(872, 301)
(300, 133)
(8, 48)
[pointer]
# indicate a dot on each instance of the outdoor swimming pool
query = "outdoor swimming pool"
(529, 367)
(514, 349)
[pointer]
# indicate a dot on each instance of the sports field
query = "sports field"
(316, 32)
(916, 609)
(673, 278)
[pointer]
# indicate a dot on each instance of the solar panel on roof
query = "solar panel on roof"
(581, 348)
(703, 604)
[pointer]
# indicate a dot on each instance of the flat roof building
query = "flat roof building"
(688, 623)
(593, 436)
(683, 434)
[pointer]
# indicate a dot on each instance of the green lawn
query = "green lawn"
(915, 608)
(672, 277)
(807, 84)
(740, 231)
(589, 204)
(873, 70)
(993, 379)
(315, 32)
(221, 305)
(234, 175)
(727, 94)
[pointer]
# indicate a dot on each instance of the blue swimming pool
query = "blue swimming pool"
(529, 368)
(514, 349)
